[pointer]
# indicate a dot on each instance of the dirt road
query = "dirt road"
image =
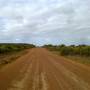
(42, 70)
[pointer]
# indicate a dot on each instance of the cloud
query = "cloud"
(45, 21)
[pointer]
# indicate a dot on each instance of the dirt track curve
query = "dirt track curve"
(42, 70)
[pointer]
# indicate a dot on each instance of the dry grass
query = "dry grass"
(10, 57)
(80, 59)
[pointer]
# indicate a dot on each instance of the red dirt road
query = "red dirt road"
(42, 70)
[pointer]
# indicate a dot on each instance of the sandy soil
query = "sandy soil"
(39, 69)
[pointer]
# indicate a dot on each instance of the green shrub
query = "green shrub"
(5, 48)
(82, 50)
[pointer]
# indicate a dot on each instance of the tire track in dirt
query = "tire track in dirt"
(71, 78)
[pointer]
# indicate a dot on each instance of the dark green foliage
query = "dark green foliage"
(5, 48)
(82, 50)
(67, 51)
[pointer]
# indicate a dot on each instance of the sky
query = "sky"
(45, 21)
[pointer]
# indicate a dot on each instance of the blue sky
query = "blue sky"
(45, 21)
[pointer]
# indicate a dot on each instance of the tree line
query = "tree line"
(82, 50)
(11, 47)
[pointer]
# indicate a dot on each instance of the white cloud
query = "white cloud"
(45, 21)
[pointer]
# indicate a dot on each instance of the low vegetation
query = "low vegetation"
(11, 51)
(82, 50)
(6, 48)
(79, 52)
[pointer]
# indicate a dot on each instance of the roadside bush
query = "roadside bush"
(5, 48)
(82, 50)
(67, 51)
